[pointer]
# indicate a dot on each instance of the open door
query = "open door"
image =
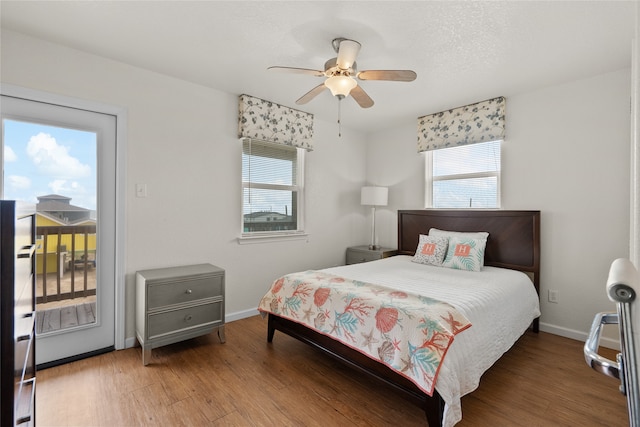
(64, 160)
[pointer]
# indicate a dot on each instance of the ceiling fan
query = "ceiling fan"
(340, 72)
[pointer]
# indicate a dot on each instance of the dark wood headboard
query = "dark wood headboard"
(514, 236)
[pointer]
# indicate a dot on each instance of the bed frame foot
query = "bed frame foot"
(434, 409)
(271, 329)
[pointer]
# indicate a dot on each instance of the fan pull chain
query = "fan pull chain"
(339, 122)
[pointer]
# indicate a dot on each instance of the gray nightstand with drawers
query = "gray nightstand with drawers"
(177, 303)
(358, 254)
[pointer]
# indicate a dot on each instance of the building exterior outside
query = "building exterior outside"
(268, 221)
(61, 226)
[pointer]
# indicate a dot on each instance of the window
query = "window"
(466, 176)
(272, 189)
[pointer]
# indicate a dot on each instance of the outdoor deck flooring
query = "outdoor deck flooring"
(70, 316)
(58, 313)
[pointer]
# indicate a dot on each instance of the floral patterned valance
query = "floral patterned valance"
(267, 121)
(480, 122)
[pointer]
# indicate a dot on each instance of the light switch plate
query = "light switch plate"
(141, 190)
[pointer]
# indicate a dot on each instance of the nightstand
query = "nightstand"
(178, 303)
(358, 254)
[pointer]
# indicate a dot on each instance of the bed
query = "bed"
(512, 254)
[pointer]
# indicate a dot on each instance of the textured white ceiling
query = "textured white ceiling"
(462, 51)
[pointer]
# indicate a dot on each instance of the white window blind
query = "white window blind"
(272, 186)
(466, 176)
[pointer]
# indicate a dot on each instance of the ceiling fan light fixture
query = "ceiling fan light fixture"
(340, 85)
(341, 71)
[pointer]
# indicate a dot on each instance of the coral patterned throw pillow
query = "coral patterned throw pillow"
(465, 254)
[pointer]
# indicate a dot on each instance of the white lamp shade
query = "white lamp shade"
(340, 85)
(374, 196)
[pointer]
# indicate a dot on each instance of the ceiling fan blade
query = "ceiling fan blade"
(307, 71)
(347, 52)
(361, 97)
(311, 94)
(391, 75)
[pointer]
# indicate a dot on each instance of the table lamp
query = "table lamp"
(374, 196)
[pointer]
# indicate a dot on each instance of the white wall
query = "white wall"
(566, 153)
(182, 143)
(635, 142)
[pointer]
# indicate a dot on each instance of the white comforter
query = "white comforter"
(500, 303)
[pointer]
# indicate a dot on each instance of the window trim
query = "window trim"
(430, 179)
(278, 235)
(272, 237)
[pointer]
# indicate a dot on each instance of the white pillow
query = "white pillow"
(431, 250)
(465, 253)
(472, 235)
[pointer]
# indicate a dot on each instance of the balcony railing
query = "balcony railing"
(68, 259)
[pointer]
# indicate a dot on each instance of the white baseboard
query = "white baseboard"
(578, 335)
(132, 341)
(238, 315)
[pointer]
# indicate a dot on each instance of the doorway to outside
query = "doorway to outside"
(63, 160)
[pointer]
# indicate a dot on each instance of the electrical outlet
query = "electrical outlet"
(553, 296)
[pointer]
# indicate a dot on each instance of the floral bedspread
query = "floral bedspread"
(409, 333)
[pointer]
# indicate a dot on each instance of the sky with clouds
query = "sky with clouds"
(40, 160)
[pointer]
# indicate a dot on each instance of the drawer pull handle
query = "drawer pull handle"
(188, 291)
(27, 251)
(27, 417)
(188, 318)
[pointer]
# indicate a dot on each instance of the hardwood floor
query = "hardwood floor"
(542, 381)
